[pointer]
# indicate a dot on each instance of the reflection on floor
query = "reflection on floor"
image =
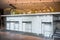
(14, 36)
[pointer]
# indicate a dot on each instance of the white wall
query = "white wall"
(37, 26)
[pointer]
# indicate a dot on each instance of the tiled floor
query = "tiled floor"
(13, 36)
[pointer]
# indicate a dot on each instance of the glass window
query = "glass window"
(27, 26)
(12, 25)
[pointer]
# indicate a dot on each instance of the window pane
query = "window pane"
(7, 26)
(27, 26)
(12, 26)
(16, 26)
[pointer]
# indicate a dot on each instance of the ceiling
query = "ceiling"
(30, 4)
(19, 3)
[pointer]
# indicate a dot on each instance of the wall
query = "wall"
(40, 24)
